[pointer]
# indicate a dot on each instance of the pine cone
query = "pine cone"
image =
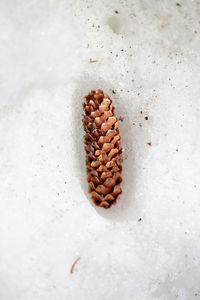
(103, 154)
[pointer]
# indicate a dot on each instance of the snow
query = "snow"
(148, 54)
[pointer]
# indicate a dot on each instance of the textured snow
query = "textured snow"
(147, 52)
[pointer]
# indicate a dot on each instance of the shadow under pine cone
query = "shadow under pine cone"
(125, 204)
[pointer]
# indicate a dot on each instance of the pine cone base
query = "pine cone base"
(102, 146)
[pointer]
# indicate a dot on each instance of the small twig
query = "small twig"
(93, 60)
(73, 265)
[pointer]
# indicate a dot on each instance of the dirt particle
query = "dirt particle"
(121, 118)
(140, 219)
(42, 146)
(146, 118)
(176, 150)
(141, 112)
(116, 11)
(113, 91)
(149, 143)
(178, 4)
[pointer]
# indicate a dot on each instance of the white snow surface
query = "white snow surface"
(148, 53)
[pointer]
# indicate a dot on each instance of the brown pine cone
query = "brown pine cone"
(103, 154)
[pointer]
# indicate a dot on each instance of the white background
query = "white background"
(148, 53)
